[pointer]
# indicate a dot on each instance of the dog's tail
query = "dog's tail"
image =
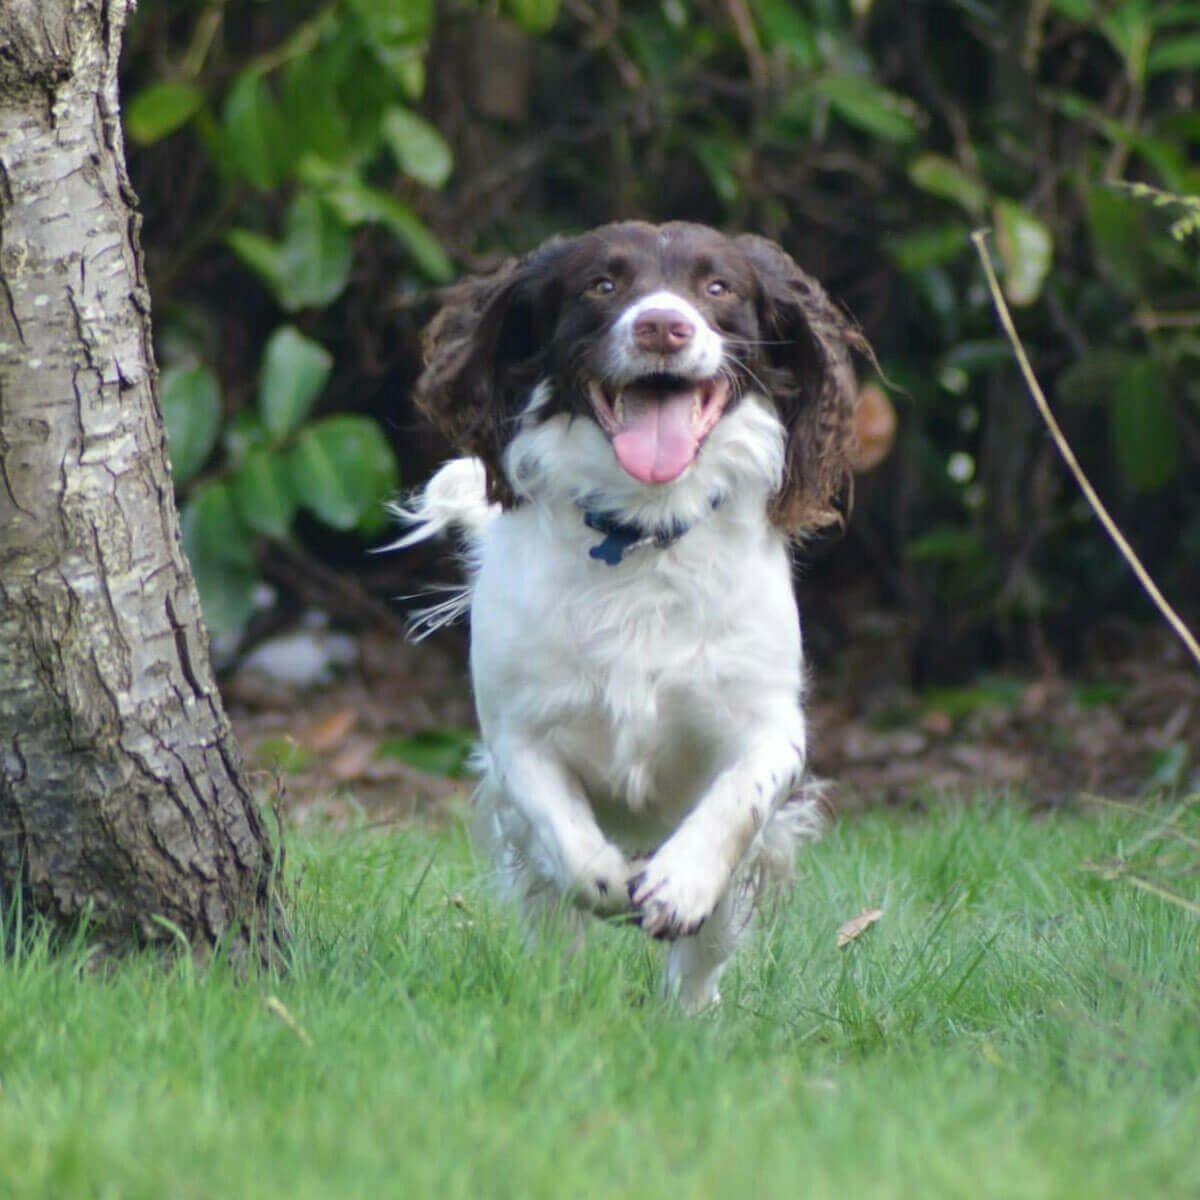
(453, 501)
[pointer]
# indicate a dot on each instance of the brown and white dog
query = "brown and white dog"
(651, 414)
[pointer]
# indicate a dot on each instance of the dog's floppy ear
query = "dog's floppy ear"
(811, 380)
(484, 354)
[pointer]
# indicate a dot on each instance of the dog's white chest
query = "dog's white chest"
(646, 676)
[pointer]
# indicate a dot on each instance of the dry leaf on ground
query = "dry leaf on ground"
(330, 732)
(857, 926)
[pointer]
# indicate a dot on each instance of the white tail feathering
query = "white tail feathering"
(454, 500)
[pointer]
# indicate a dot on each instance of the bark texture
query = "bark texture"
(122, 793)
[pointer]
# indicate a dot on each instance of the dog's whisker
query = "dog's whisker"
(743, 368)
(734, 339)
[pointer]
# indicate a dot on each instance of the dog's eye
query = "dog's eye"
(717, 287)
(602, 286)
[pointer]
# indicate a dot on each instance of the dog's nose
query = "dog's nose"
(662, 331)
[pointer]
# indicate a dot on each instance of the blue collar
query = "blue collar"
(622, 536)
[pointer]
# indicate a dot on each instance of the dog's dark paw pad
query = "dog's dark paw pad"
(602, 886)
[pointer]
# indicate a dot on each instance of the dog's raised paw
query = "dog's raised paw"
(674, 905)
(601, 885)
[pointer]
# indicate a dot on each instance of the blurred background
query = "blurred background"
(310, 174)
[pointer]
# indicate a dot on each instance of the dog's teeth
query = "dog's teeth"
(697, 407)
(619, 408)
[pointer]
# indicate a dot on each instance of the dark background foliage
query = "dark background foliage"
(310, 173)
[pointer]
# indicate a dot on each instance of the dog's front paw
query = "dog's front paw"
(676, 891)
(601, 882)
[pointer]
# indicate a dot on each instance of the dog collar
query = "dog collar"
(622, 536)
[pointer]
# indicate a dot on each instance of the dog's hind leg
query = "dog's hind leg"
(696, 963)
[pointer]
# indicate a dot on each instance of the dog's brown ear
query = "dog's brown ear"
(811, 379)
(484, 354)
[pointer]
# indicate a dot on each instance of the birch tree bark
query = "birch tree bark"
(122, 794)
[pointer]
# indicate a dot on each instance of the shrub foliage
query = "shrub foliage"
(312, 172)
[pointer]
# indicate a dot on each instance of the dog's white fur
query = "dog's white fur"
(699, 359)
(643, 735)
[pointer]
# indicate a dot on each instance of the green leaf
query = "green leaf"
(191, 404)
(253, 131)
(356, 202)
(410, 75)
(397, 33)
(1143, 431)
(718, 157)
(283, 753)
(947, 543)
(342, 469)
(991, 691)
(264, 257)
(937, 289)
(242, 434)
(1026, 249)
(977, 357)
(1176, 54)
(1166, 156)
(319, 252)
(926, 248)
(310, 104)
(1100, 694)
(161, 109)
(1129, 27)
(295, 369)
(419, 150)
(434, 751)
(786, 31)
(213, 528)
(408, 23)
(1075, 10)
(226, 595)
(399, 219)
(221, 558)
(941, 176)
(871, 108)
(311, 266)
(1168, 15)
(1092, 379)
(262, 492)
(1114, 218)
(534, 16)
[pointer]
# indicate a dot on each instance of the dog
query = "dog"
(650, 415)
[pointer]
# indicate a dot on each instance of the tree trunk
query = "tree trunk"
(122, 794)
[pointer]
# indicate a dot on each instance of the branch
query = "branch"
(979, 237)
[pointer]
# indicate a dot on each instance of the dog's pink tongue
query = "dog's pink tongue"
(656, 442)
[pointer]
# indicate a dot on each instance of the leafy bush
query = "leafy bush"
(275, 462)
(301, 146)
(294, 141)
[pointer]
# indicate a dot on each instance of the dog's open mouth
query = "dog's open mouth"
(657, 423)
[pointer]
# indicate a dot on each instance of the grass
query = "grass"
(1015, 1026)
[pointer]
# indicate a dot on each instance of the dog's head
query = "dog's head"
(655, 333)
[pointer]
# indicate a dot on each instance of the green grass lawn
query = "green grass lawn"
(1014, 1026)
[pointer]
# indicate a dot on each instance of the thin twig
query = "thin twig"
(979, 237)
(1118, 874)
(1150, 321)
(747, 35)
(279, 1009)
